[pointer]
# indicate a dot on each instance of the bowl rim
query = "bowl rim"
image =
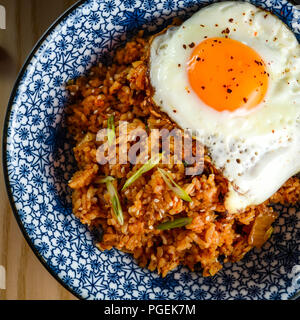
(15, 87)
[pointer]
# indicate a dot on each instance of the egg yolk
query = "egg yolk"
(227, 74)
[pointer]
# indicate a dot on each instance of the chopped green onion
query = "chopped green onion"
(150, 164)
(111, 130)
(174, 186)
(269, 233)
(177, 223)
(114, 198)
(104, 180)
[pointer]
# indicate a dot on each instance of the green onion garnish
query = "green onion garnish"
(177, 223)
(111, 130)
(174, 186)
(114, 198)
(269, 233)
(150, 164)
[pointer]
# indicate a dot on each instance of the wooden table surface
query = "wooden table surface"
(25, 277)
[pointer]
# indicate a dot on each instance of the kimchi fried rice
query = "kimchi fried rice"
(212, 237)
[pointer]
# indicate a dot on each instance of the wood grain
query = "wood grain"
(26, 277)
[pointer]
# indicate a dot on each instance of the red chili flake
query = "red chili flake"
(226, 31)
(231, 57)
(202, 87)
(255, 33)
(233, 79)
(216, 25)
(184, 46)
(244, 13)
(266, 15)
(198, 59)
(229, 90)
(192, 45)
(273, 131)
(245, 100)
(230, 20)
(174, 111)
(259, 63)
(229, 70)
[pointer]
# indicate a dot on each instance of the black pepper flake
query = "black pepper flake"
(245, 99)
(216, 25)
(174, 111)
(198, 59)
(192, 45)
(202, 25)
(179, 65)
(238, 160)
(230, 20)
(202, 87)
(184, 46)
(229, 90)
(266, 15)
(259, 63)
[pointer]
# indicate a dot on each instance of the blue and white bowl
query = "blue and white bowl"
(38, 163)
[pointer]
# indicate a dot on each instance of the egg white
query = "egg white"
(257, 150)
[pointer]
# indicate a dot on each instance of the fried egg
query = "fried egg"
(231, 74)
